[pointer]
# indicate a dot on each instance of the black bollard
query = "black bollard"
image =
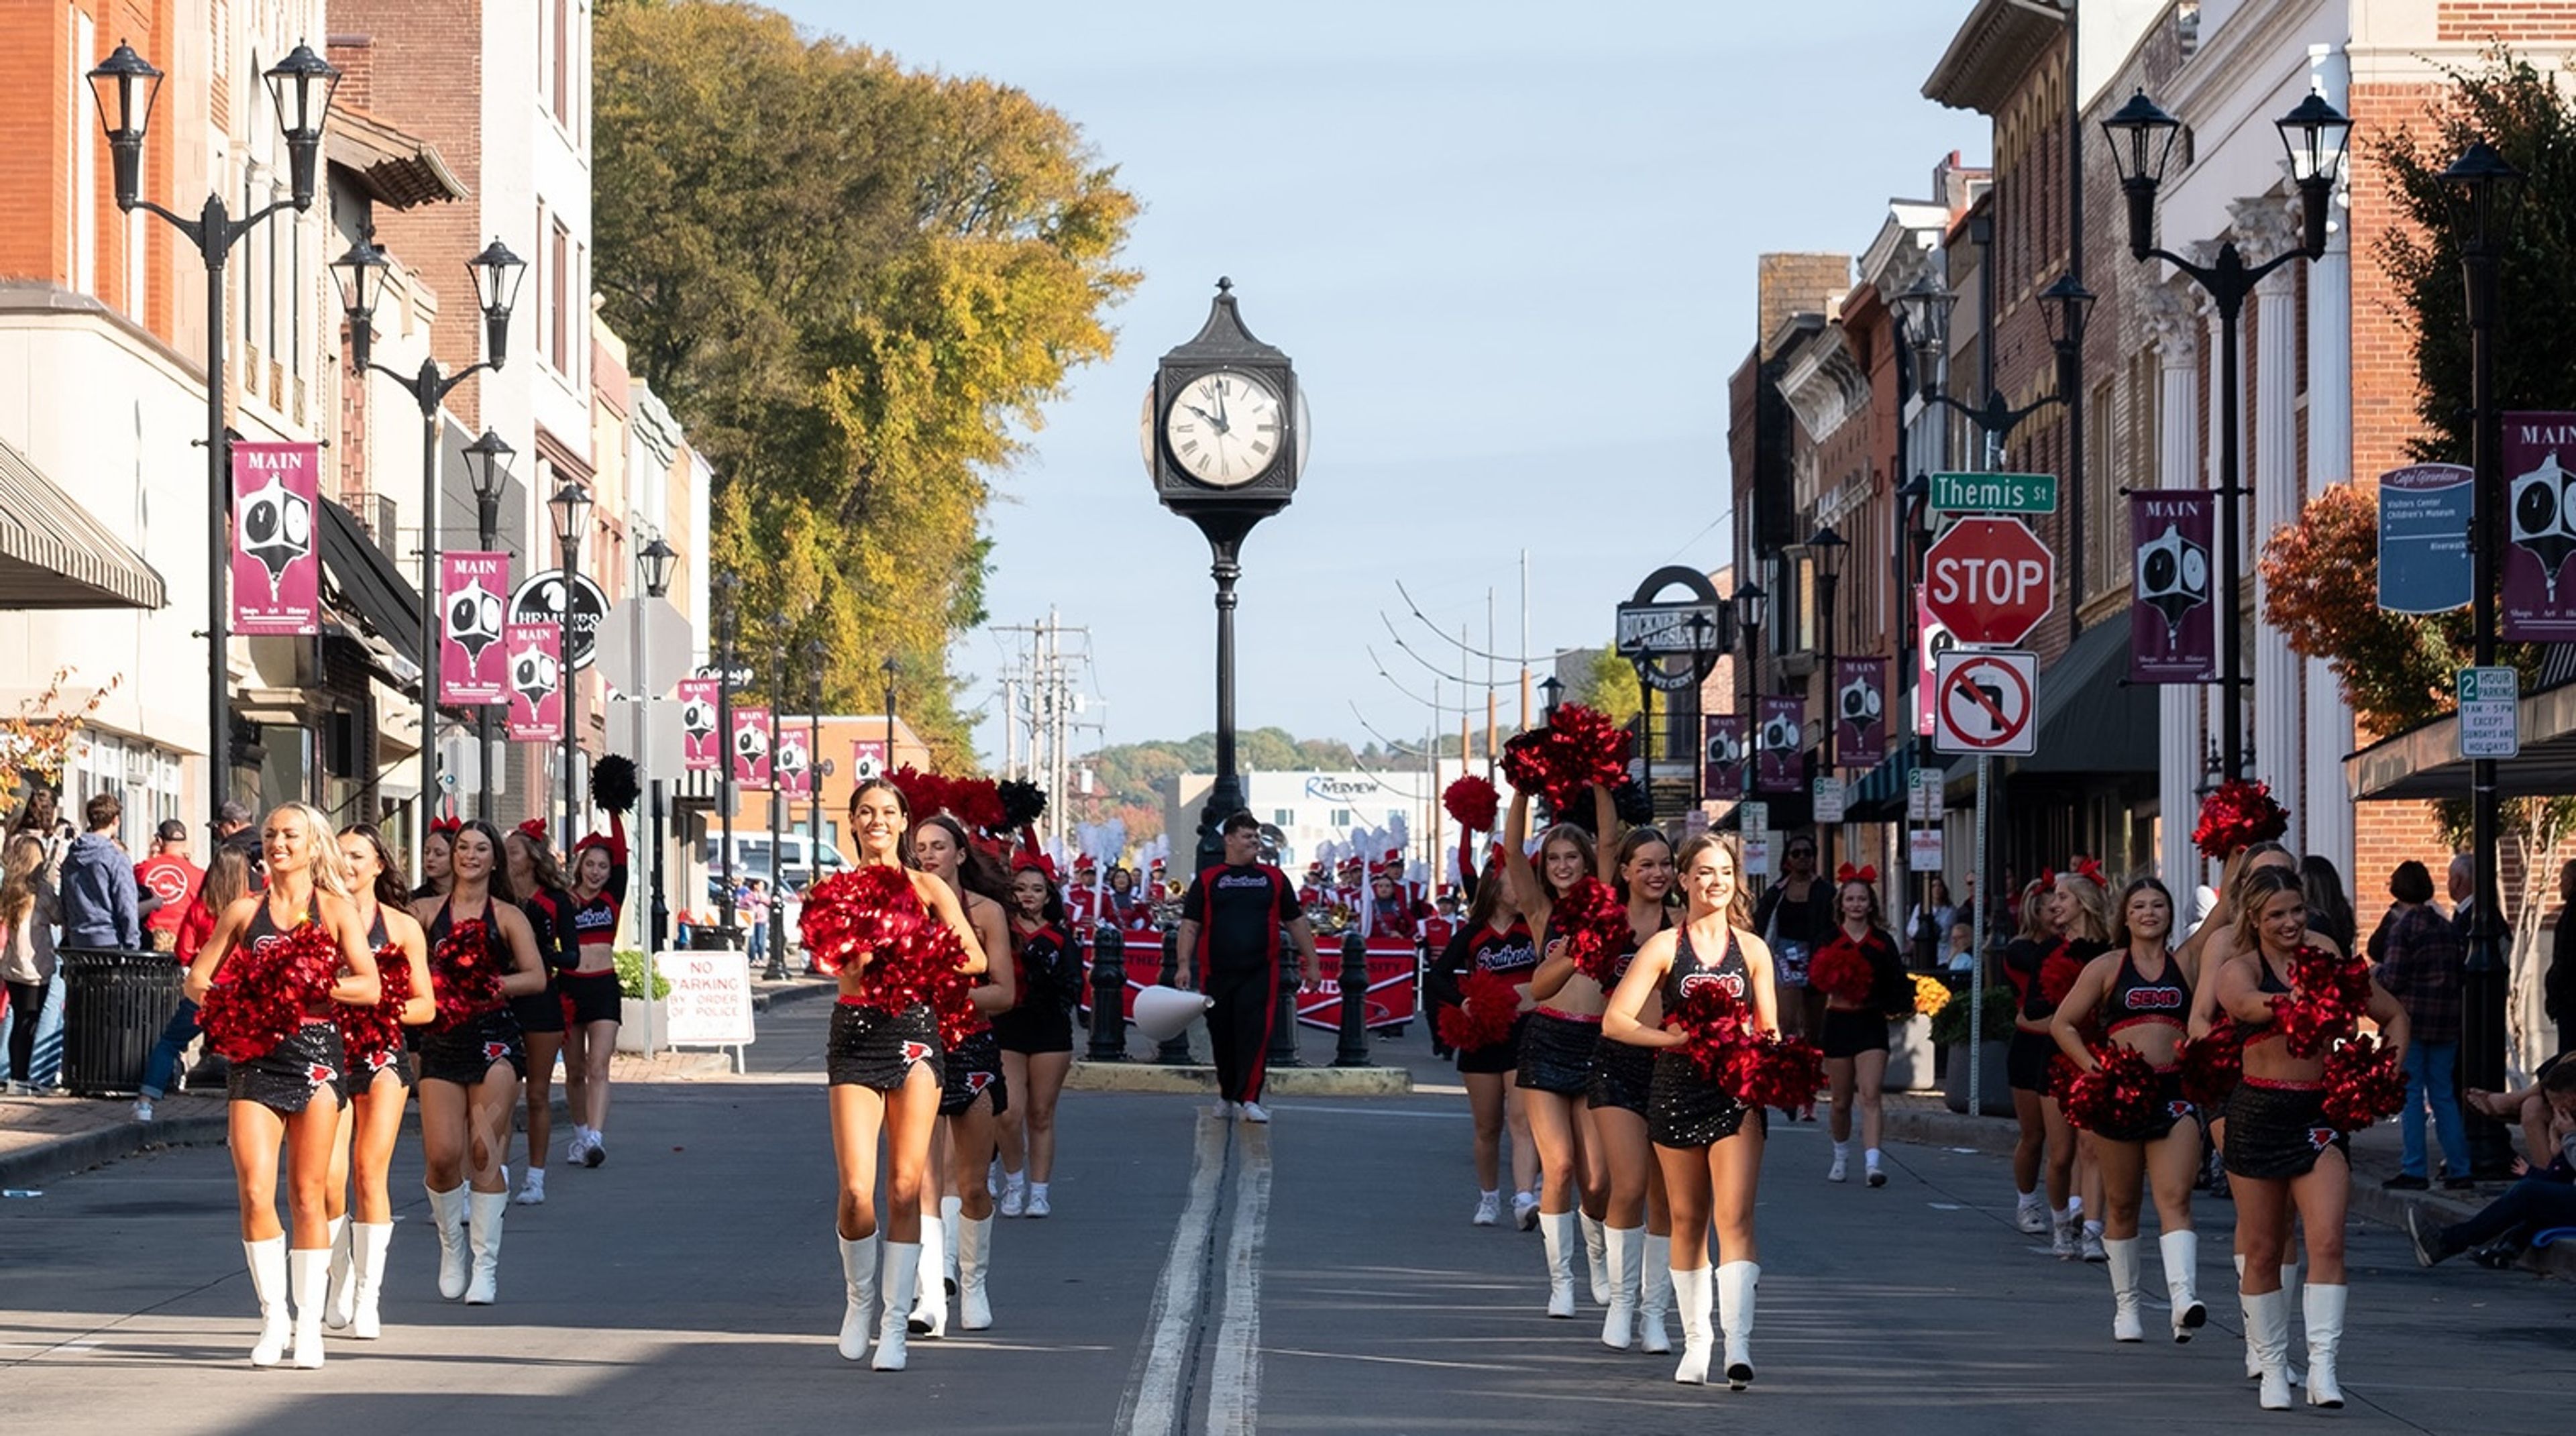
(1175, 1051)
(1283, 1023)
(1354, 1051)
(1109, 996)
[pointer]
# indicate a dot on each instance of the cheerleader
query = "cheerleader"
(1854, 1031)
(1708, 1143)
(2082, 903)
(882, 1061)
(271, 954)
(435, 846)
(973, 1092)
(592, 999)
(2026, 1064)
(482, 953)
(380, 1080)
(1621, 1075)
(1556, 1054)
(1036, 1035)
(2141, 995)
(1495, 940)
(539, 883)
(2283, 1157)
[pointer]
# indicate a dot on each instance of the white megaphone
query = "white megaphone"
(1163, 1013)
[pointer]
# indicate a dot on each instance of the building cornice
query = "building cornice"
(1994, 48)
(1824, 384)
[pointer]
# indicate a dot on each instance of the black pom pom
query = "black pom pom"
(1634, 807)
(613, 784)
(1023, 803)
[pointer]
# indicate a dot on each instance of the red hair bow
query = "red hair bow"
(2087, 868)
(2047, 879)
(1866, 873)
(446, 827)
(534, 830)
(1038, 863)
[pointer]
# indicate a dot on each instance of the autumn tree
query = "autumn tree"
(857, 284)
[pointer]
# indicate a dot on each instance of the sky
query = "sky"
(1510, 247)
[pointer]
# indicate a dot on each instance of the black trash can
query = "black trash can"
(713, 937)
(114, 1007)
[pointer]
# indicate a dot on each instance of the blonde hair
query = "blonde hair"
(19, 864)
(2093, 901)
(330, 871)
(2034, 916)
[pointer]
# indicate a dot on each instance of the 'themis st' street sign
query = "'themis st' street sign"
(1990, 581)
(1994, 493)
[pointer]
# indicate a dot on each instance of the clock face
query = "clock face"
(1224, 428)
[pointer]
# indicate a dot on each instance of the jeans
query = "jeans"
(759, 938)
(164, 1062)
(2429, 1067)
(2534, 1204)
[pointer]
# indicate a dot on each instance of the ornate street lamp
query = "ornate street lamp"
(654, 563)
(487, 468)
(571, 506)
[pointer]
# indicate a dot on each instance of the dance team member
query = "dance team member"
(973, 1094)
(1616, 1102)
(547, 900)
(290, 1092)
(1854, 1033)
(882, 1058)
(2026, 1066)
(1555, 1073)
(482, 954)
(2140, 995)
(1036, 1035)
(1495, 939)
(1708, 1143)
(380, 1080)
(593, 1002)
(2082, 900)
(435, 847)
(2282, 1154)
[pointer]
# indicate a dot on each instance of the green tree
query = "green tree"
(1604, 680)
(857, 285)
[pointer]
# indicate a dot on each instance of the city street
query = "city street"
(1317, 1276)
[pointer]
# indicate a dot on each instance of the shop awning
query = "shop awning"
(2090, 721)
(2425, 762)
(369, 585)
(1879, 796)
(54, 555)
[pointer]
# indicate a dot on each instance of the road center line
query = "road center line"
(1152, 1404)
(1234, 1386)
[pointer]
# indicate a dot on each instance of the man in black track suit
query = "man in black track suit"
(1231, 923)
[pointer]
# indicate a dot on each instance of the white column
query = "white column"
(2263, 228)
(2178, 453)
(2330, 735)
(2214, 697)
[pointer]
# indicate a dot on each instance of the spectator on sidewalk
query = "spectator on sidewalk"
(225, 883)
(233, 831)
(2558, 988)
(2464, 896)
(753, 911)
(101, 907)
(28, 912)
(2545, 1197)
(41, 816)
(168, 883)
(2422, 971)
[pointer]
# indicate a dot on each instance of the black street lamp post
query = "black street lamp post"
(487, 467)
(300, 88)
(2483, 188)
(728, 595)
(497, 273)
(1751, 604)
(571, 505)
(656, 559)
(816, 768)
(776, 917)
(2142, 138)
(1551, 692)
(889, 667)
(1825, 550)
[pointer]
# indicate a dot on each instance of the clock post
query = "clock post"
(1223, 436)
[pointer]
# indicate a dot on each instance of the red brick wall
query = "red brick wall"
(2512, 21)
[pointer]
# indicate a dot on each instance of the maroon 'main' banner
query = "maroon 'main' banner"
(2173, 627)
(1778, 745)
(473, 597)
(2540, 497)
(1721, 761)
(1860, 712)
(751, 747)
(276, 571)
(535, 666)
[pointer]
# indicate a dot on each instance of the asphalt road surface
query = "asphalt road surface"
(1320, 1275)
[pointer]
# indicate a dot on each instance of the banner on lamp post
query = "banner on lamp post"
(794, 760)
(276, 569)
(1721, 761)
(2540, 511)
(1778, 744)
(702, 752)
(535, 658)
(473, 599)
(750, 747)
(2173, 627)
(1860, 712)
(867, 759)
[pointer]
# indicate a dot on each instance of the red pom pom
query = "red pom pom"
(2057, 977)
(2212, 1066)
(1841, 970)
(1473, 802)
(977, 802)
(2330, 995)
(369, 1032)
(2117, 1095)
(1594, 924)
(2363, 1085)
(2238, 815)
(1787, 1072)
(1579, 747)
(2062, 1073)
(464, 975)
(923, 793)
(262, 991)
(871, 918)
(1715, 1027)
(1488, 1004)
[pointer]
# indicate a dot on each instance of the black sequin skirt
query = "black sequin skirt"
(1684, 1109)
(870, 1047)
(286, 1077)
(2277, 1133)
(972, 1068)
(1621, 1075)
(1556, 1054)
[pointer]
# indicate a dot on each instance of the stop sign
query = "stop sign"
(1989, 580)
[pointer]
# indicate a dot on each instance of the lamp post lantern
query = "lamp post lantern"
(124, 85)
(1224, 439)
(2142, 139)
(571, 506)
(487, 468)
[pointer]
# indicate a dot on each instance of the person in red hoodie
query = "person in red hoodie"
(169, 884)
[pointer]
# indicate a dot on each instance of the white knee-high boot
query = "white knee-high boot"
(952, 1213)
(2181, 1251)
(335, 1310)
(2121, 1256)
(267, 1260)
(2322, 1307)
(929, 1305)
(1596, 1259)
(2267, 1336)
(974, 1260)
(901, 1273)
(1736, 1283)
(1622, 1249)
(1557, 1231)
(483, 1211)
(859, 1289)
(1655, 1295)
(367, 1244)
(447, 1210)
(308, 1272)
(1691, 1293)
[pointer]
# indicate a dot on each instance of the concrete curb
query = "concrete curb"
(78, 1153)
(770, 997)
(1197, 1079)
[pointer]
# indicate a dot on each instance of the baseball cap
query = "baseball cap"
(233, 811)
(171, 831)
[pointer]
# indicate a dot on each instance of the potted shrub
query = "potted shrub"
(1949, 1029)
(1911, 1066)
(637, 1011)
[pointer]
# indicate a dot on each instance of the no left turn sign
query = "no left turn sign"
(1982, 703)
